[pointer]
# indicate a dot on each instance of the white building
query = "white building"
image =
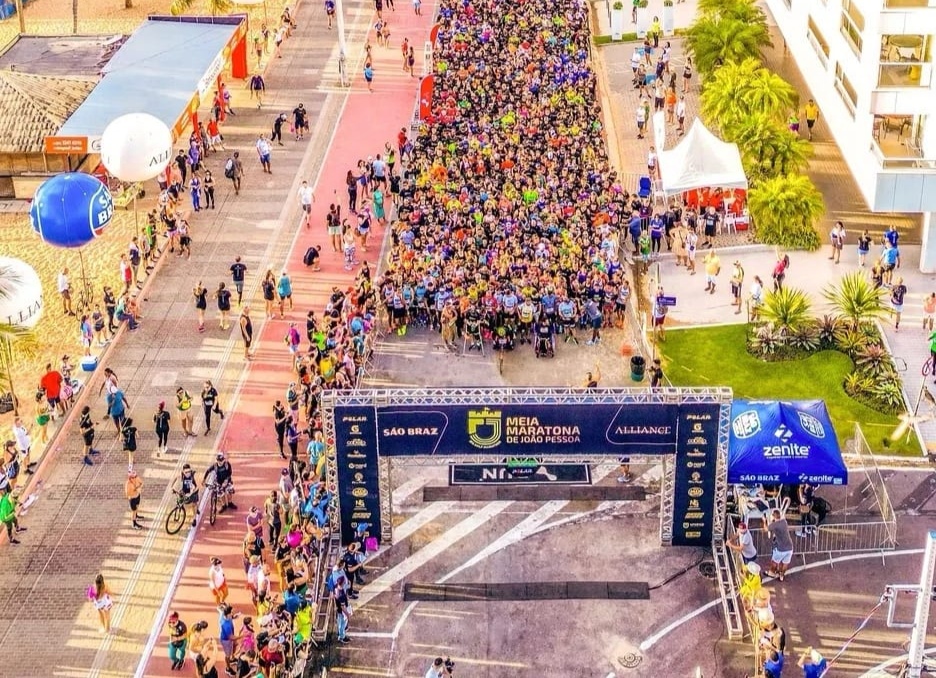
(869, 66)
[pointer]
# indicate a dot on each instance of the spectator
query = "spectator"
(782, 554)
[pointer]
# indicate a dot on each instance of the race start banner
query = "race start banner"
(688, 432)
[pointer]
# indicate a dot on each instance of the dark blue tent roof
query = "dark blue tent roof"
(784, 442)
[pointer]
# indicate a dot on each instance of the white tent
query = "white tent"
(701, 160)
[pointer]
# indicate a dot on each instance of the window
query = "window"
(905, 61)
(845, 89)
(852, 25)
(818, 42)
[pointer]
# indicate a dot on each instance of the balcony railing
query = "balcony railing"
(906, 155)
(904, 74)
(906, 4)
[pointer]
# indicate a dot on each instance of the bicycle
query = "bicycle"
(212, 503)
(84, 299)
(178, 515)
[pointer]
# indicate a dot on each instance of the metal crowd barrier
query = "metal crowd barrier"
(831, 539)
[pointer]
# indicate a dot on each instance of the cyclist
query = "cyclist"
(223, 476)
(187, 487)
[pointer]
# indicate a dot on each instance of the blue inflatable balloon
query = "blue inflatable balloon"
(71, 209)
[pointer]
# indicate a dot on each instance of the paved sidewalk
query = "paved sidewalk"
(355, 132)
(79, 525)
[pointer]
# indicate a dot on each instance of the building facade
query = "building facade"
(869, 66)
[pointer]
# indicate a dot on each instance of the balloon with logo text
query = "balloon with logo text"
(71, 209)
(136, 147)
(21, 305)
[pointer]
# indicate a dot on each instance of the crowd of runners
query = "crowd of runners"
(508, 211)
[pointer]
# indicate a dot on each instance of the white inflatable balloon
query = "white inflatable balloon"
(21, 301)
(136, 147)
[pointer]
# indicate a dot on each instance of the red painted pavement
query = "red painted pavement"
(367, 123)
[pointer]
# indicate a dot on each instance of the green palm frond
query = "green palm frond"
(787, 310)
(785, 211)
(856, 299)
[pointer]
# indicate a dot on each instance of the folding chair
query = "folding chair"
(645, 187)
(659, 196)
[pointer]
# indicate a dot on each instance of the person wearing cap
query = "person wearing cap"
(221, 474)
(133, 490)
(178, 640)
(742, 542)
(814, 665)
(217, 581)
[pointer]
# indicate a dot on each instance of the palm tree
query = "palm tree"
(856, 299)
(716, 41)
(742, 10)
(768, 148)
(15, 341)
(723, 95)
(788, 310)
(785, 210)
(215, 7)
(770, 94)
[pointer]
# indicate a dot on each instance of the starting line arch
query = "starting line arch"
(685, 429)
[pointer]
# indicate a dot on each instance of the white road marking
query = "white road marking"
(512, 536)
(408, 488)
(424, 517)
(159, 620)
(662, 633)
(396, 574)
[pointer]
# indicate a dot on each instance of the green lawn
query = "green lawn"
(716, 356)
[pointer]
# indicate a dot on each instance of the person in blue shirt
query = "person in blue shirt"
(773, 664)
(890, 259)
(813, 664)
(292, 600)
(657, 228)
(284, 291)
(891, 236)
(226, 634)
(635, 229)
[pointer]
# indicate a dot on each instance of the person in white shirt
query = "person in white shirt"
(263, 150)
(681, 114)
(64, 289)
(217, 581)
(306, 198)
(23, 445)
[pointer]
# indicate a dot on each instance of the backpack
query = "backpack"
(229, 168)
(309, 256)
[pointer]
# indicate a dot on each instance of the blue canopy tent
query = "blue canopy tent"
(784, 443)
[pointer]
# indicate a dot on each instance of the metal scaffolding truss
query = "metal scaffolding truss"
(378, 398)
(524, 396)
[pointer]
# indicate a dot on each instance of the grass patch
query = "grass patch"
(716, 356)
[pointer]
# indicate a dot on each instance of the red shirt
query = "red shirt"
(52, 383)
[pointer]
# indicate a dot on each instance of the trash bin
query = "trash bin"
(638, 366)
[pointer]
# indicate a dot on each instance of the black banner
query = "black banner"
(358, 477)
(525, 474)
(694, 487)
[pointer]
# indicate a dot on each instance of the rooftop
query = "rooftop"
(33, 107)
(60, 56)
